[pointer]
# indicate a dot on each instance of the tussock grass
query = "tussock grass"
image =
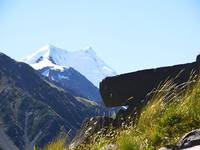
(167, 117)
(170, 114)
(58, 144)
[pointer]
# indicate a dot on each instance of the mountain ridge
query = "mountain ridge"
(71, 80)
(31, 104)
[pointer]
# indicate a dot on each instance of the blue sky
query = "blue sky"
(128, 35)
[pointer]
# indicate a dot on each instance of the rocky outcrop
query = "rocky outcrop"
(132, 88)
(90, 127)
(190, 139)
(96, 127)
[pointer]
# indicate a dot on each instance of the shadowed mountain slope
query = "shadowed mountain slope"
(35, 111)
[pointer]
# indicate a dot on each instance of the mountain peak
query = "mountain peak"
(47, 51)
(84, 61)
(88, 48)
(52, 50)
(47, 47)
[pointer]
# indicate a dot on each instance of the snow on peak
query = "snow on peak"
(45, 52)
(85, 61)
(46, 57)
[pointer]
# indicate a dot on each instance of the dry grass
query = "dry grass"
(58, 144)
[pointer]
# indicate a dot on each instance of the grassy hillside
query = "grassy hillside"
(169, 115)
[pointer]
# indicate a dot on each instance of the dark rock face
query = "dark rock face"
(100, 126)
(35, 111)
(189, 140)
(132, 88)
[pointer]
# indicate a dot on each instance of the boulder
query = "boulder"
(132, 88)
(190, 139)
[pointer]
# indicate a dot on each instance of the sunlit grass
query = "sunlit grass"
(58, 144)
(163, 121)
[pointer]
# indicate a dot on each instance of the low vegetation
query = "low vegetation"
(169, 115)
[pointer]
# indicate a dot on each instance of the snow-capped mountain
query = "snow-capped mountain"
(84, 61)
